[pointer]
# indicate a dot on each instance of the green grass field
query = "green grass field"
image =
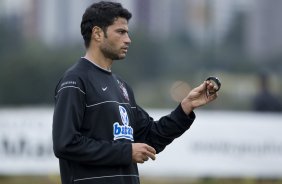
(54, 179)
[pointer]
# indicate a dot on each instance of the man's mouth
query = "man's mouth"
(124, 49)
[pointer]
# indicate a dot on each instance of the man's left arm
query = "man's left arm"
(159, 134)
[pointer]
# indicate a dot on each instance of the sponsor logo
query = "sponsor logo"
(123, 131)
(105, 88)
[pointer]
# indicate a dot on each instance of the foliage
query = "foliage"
(29, 70)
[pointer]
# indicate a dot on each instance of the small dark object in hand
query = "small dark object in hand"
(216, 82)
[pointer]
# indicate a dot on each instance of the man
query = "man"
(99, 132)
(265, 100)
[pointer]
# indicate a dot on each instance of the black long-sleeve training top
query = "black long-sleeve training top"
(96, 119)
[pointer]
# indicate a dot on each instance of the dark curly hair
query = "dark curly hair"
(101, 14)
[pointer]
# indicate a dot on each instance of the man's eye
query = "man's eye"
(122, 32)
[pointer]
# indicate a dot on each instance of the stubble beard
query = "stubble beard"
(108, 52)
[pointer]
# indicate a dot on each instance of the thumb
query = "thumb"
(201, 87)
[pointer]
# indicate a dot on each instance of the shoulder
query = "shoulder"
(79, 69)
(74, 77)
(70, 81)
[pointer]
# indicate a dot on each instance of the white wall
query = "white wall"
(218, 144)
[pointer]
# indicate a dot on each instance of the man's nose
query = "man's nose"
(127, 40)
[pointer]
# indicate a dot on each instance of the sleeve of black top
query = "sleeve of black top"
(160, 133)
(68, 142)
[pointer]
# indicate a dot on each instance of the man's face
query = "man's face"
(114, 46)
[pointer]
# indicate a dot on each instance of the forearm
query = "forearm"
(89, 151)
(161, 133)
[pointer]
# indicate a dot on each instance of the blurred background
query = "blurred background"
(239, 41)
(189, 40)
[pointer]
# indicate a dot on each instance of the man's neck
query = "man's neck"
(99, 60)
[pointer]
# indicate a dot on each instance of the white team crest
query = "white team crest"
(123, 89)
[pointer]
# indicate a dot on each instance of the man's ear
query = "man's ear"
(97, 33)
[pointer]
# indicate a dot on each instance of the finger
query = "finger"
(145, 158)
(212, 97)
(150, 155)
(210, 86)
(215, 81)
(201, 87)
(211, 89)
(151, 149)
(213, 86)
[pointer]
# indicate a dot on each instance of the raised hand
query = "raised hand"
(199, 96)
